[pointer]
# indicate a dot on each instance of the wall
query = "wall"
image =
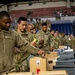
(71, 18)
(39, 12)
(39, 9)
(73, 3)
(3, 8)
(38, 5)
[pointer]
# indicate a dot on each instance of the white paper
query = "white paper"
(37, 62)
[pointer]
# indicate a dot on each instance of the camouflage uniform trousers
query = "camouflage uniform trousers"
(22, 66)
(4, 73)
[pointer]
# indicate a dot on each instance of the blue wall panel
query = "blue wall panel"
(62, 27)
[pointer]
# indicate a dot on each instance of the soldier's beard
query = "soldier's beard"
(44, 30)
(23, 30)
(5, 28)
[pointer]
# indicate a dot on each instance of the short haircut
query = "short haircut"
(44, 24)
(4, 14)
(22, 19)
(51, 30)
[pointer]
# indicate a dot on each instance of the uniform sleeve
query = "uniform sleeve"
(38, 45)
(31, 38)
(49, 40)
(24, 46)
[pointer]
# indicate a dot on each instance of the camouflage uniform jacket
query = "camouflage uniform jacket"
(28, 36)
(55, 42)
(41, 35)
(8, 41)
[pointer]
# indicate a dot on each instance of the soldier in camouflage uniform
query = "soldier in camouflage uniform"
(9, 39)
(22, 30)
(43, 38)
(38, 23)
(68, 40)
(55, 41)
(49, 24)
(62, 38)
(71, 41)
(31, 29)
(52, 33)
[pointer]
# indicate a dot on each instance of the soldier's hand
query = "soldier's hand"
(16, 50)
(40, 52)
(41, 42)
(33, 43)
(51, 48)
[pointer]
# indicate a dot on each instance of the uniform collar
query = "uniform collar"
(9, 31)
(45, 32)
(26, 32)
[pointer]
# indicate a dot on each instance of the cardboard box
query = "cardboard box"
(37, 64)
(56, 72)
(51, 60)
(41, 64)
(61, 47)
(53, 55)
(20, 73)
(50, 63)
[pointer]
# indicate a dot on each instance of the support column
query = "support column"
(68, 4)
